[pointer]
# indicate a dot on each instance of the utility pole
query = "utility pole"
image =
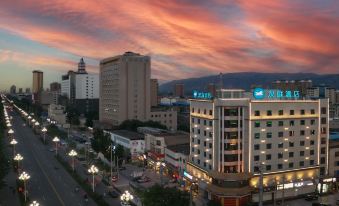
(283, 191)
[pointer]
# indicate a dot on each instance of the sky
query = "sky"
(185, 38)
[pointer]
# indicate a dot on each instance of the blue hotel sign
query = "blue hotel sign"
(260, 93)
(201, 95)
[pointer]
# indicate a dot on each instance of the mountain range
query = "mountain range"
(245, 80)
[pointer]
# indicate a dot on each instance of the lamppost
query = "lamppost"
(24, 177)
(18, 158)
(93, 170)
(126, 198)
(37, 124)
(33, 121)
(29, 120)
(112, 149)
(13, 143)
(72, 154)
(10, 132)
(56, 140)
(44, 131)
(34, 203)
(8, 124)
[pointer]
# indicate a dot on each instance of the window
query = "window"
(311, 162)
(301, 163)
(291, 112)
(312, 111)
(257, 113)
(256, 158)
(290, 165)
(268, 157)
(323, 150)
(291, 144)
(290, 154)
(292, 123)
(312, 142)
(281, 112)
(269, 135)
(312, 132)
(312, 122)
(302, 112)
(198, 141)
(256, 169)
(302, 153)
(269, 146)
(302, 122)
(302, 132)
(323, 120)
(280, 145)
(257, 135)
(280, 166)
(281, 123)
(280, 134)
(210, 156)
(323, 110)
(312, 152)
(302, 143)
(210, 112)
(269, 124)
(322, 160)
(268, 167)
(291, 133)
(269, 112)
(257, 124)
(323, 140)
(280, 155)
(210, 145)
(256, 147)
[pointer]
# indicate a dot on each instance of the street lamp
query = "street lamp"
(93, 170)
(13, 143)
(18, 158)
(34, 203)
(112, 149)
(37, 123)
(24, 177)
(8, 124)
(10, 132)
(72, 154)
(56, 140)
(44, 130)
(126, 197)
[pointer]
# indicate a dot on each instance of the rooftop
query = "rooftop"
(174, 138)
(180, 148)
(129, 134)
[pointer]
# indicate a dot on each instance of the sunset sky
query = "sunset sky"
(185, 38)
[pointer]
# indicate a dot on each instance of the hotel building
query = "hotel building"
(235, 137)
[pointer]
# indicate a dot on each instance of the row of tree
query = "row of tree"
(4, 164)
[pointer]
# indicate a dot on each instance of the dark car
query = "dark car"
(311, 197)
(143, 179)
(122, 168)
(113, 194)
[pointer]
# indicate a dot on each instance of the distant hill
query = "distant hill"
(246, 79)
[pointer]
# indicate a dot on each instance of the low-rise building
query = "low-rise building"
(56, 113)
(165, 117)
(132, 141)
(176, 157)
(333, 162)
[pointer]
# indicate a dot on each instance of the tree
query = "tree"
(133, 125)
(4, 166)
(160, 196)
(72, 116)
(101, 142)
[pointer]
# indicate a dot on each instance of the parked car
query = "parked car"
(113, 194)
(311, 197)
(143, 179)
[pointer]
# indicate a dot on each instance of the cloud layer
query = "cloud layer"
(185, 38)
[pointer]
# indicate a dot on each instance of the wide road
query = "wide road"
(50, 184)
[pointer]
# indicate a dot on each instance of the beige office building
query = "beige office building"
(38, 81)
(236, 136)
(154, 92)
(124, 88)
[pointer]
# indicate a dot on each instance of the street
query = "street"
(327, 199)
(49, 184)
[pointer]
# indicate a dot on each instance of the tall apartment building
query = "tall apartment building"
(81, 88)
(124, 88)
(12, 90)
(300, 85)
(154, 92)
(179, 90)
(55, 87)
(38, 81)
(235, 137)
(323, 91)
(38, 85)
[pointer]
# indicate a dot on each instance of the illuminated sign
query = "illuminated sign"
(260, 93)
(201, 95)
(188, 175)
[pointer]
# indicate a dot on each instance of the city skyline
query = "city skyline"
(184, 39)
